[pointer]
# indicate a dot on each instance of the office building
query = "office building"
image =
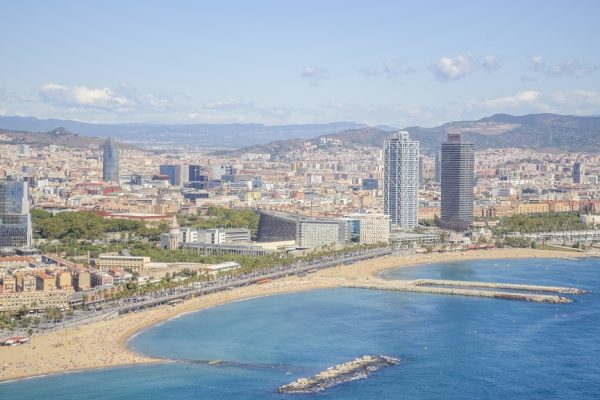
(320, 232)
(222, 172)
(438, 166)
(110, 162)
(182, 174)
(170, 171)
(578, 173)
(276, 227)
(369, 228)
(195, 174)
(370, 184)
(458, 181)
(401, 180)
(15, 220)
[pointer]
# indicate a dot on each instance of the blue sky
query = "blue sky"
(278, 62)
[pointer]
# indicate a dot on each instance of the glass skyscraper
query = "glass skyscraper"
(110, 165)
(458, 181)
(578, 172)
(170, 171)
(15, 220)
(401, 180)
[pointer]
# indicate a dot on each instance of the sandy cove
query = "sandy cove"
(104, 344)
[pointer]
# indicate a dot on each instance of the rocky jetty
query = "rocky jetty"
(352, 370)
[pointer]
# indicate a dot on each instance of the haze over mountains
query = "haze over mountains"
(548, 132)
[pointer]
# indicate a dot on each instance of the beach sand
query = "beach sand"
(104, 344)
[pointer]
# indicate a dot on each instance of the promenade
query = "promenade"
(103, 344)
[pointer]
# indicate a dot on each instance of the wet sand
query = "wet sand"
(104, 344)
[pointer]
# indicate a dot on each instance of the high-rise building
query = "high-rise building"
(458, 180)
(110, 164)
(15, 220)
(170, 171)
(182, 175)
(421, 172)
(195, 173)
(401, 180)
(578, 172)
(438, 166)
(178, 175)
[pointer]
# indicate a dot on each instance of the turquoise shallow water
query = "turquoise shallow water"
(452, 347)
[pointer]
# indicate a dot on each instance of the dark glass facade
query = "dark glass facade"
(110, 165)
(170, 171)
(15, 221)
(458, 181)
(275, 227)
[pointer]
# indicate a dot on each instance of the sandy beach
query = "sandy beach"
(103, 344)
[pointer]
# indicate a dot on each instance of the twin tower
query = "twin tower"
(401, 159)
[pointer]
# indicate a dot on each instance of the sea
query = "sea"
(450, 347)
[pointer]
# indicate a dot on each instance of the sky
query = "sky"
(396, 63)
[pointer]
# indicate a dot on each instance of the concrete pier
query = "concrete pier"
(501, 285)
(475, 289)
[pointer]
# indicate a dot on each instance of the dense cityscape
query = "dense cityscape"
(323, 198)
(343, 200)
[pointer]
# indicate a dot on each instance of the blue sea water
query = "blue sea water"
(452, 347)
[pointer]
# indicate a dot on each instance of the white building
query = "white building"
(188, 235)
(315, 232)
(401, 180)
(372, 228)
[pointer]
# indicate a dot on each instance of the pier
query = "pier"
(509, 291)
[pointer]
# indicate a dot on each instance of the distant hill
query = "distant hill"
(58, 136)
(545, 132)
(181, 135)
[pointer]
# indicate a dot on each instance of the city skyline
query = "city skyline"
(236, 68)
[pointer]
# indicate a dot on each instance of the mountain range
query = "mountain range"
(179, 135)
(545, 132)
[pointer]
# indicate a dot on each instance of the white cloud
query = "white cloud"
(525, 97)
(569, 68)
(577, 102)
(463, 65)
(489, 62)
(314, 75)
(82, 96)
(537, 61)
(448, 68)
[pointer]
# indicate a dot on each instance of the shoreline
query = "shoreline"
(104, 344)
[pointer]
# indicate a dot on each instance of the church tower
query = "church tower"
(174, 234)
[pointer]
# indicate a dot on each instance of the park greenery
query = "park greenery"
(547, 222)
(90, 226)
(86, 225)
(217, 217)
(23, 319)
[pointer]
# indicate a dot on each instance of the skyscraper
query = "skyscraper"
(401, 180)
(15, 221)
(421, 173)
(195, 173)
(110, 165)
(170, 171)
(458, 180)
(578, 172)
(438, 166)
